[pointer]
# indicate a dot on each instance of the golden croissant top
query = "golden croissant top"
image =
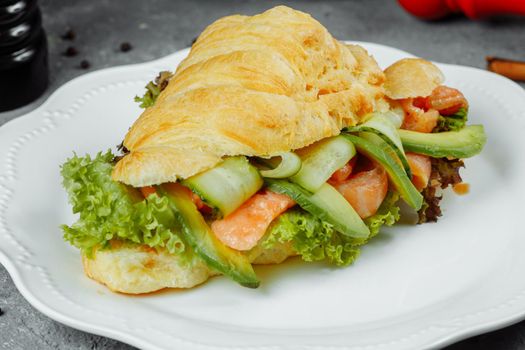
(252, 85)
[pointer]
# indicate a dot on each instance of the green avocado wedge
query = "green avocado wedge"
(382, 153)
(464, 143)
(327, 204)
(200, 237)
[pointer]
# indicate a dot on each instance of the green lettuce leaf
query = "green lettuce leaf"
(316, 240)
(387, 214)
(153, 89)
(149, 97)
(452, 122)
(110, 210)
(312, 238)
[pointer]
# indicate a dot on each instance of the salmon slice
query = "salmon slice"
(446, 100)
(342, 174)
(147, 191)
(421, 167)
(243, 228)
(365, 191)
(417, 119)
(422, 113)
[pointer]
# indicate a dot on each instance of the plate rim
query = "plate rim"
(127, 336)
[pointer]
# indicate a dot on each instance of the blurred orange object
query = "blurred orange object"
(511, 69)
(474, 9)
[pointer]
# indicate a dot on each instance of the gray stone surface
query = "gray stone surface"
(158, 27)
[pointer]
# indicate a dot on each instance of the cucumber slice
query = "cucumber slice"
(382, 153)
(396, 115)
(321, 160)
(381, 124)
(464, 143)
(326, 204)
(201, 238)
(289, 165)
(228, 185)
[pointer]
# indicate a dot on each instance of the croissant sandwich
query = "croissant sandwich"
(271, 139)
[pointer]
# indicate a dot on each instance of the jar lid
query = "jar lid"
(15, 34)
(13, 10)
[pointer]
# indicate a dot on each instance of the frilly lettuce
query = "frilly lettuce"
(149, 97)
(153, 89)
(316, 240)
(110, 210)
(312, 238)
(387, 214)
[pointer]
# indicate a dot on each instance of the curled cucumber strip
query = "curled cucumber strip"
(289, 165)
(321, 160)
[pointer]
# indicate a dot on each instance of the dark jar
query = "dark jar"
(23, 53)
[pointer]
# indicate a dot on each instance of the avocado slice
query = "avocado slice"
(201, 238)
(326, 204)
(382, 153)
(464, 143)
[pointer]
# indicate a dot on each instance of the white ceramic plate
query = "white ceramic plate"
(413, 287)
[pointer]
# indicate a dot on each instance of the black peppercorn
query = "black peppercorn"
(125, 47)
(85, 64)
(69, 35)
(71, 51)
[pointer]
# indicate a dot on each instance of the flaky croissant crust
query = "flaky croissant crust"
(255, 86)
